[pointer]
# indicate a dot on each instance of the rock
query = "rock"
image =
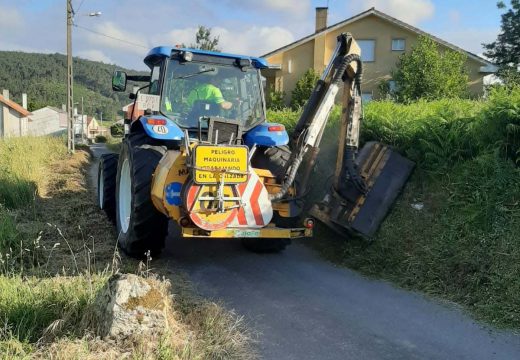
(130, 306)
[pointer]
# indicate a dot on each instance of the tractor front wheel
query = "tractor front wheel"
(140, 226)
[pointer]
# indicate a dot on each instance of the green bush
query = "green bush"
(275, 99)
(427, 73)
(500, 122)
(303, 89)
(434, 133)
(100, 139)
(117, 130)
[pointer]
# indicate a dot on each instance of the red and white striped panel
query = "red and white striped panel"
(257, 210)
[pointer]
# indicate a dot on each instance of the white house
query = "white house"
(47, 121)
(13, 117)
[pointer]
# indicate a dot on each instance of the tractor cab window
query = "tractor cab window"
(154, 88)
(194, 90)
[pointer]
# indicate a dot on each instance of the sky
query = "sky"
(243, 26)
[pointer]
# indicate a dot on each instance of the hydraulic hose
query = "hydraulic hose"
(351, 169)
(340, 75)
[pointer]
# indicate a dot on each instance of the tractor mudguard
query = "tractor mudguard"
(160, 127)
(267, 134)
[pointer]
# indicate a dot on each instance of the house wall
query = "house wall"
(317, 52)
(12, 123)
(45, 121)
(300, 59)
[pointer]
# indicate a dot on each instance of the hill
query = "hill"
(43, 77)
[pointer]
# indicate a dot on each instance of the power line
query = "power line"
(110, 36)
(81, 3)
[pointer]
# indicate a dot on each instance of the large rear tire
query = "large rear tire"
(140, 226)
(274, 159)
(106, 184)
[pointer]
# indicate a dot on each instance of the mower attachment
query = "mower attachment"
(348, 210)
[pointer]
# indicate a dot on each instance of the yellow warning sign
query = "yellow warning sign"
(227, 161)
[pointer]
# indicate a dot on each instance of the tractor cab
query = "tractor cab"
(188, 87)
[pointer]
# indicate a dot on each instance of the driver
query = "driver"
(208, 91)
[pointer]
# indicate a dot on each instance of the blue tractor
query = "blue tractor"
(199, 150)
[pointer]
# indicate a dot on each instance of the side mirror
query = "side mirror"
(119, 81)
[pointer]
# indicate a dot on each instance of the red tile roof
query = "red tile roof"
(19, 109)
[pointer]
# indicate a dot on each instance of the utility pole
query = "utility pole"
(70, 106)
(82, 121)
(70, 81)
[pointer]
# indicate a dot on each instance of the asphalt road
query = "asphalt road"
(303, 307)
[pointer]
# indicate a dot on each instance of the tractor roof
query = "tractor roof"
(165, 51)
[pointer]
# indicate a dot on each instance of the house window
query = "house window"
(398, 44)
(289, 66)
(368, 48)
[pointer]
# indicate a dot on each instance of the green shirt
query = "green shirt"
(207, 92)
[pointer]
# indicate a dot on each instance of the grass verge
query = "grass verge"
(57, 249)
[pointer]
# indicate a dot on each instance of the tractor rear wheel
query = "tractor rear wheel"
(140, 226)
(274, 159)
(106, 184)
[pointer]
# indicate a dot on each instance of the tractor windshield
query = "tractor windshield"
(195, 90)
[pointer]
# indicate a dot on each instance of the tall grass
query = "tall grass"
(23, 174)
(29, 306)
(22, 164)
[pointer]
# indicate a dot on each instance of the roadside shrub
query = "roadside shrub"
(303, 89)
(117, 130)
(432, 133)
(275, 99)
(285, 116)
(500, 122)
(101, 139)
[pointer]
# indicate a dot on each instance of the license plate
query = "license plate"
(247, 233)
(233, 158)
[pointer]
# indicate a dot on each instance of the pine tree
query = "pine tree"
(204, 40)
(505, 51)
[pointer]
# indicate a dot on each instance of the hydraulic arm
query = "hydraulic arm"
(367, 182)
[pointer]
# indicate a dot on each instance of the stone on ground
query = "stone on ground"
(130, 306)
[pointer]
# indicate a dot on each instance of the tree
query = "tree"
(425, 72)
(505, 51)
(303, 89)
(204, 40)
